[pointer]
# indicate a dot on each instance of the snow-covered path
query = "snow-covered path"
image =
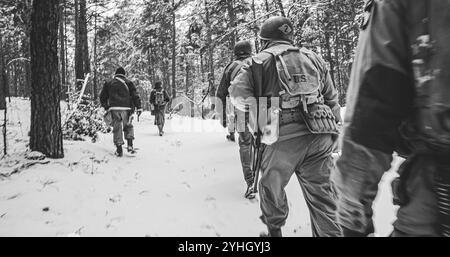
(182, 184)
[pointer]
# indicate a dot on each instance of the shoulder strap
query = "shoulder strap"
(123, 82)
(239, 65)
(281, 49)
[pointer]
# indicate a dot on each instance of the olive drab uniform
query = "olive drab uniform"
(295, 94)
(235, 119)
(398, 101)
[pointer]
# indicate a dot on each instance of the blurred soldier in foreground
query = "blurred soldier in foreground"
(294, 109)
(399, 101)
(242, 52)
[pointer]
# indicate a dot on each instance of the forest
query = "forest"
(186, 44)
(59, 175)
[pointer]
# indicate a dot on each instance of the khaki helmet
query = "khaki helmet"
(243, 48)
(277, 28)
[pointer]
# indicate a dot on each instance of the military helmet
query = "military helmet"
(277, 28)
(243, 48)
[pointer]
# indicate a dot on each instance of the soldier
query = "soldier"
(298, 125)
(120, 99)
(158, 100)
(398, 101)
(243, 53)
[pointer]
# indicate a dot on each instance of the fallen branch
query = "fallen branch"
(22, 167)
(86, 80)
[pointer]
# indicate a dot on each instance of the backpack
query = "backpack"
(301, 88)
(430, 41)
(159, 98)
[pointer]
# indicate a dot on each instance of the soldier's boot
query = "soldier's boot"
(119, 151)
(130, 147)
(273, 232)
(231, 137)
(250, 193)
(351, 233)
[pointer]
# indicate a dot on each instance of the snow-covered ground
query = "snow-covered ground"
(182, 184)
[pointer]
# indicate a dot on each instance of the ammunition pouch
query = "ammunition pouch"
(442, 191)
(319, 119)
(290, 116)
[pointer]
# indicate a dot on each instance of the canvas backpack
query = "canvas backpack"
(301, 89)
(159, 98)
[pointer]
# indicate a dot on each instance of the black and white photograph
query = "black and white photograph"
(238, 119)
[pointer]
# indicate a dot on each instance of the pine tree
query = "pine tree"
(45, 132)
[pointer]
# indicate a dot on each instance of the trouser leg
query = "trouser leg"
(245, 150)
(278, 165)
(359, 171)
(117, 125)
(418, 213)
(128, 127)
(314, 177)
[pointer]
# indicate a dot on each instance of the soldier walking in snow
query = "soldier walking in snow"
(120, 99)
(243, 53)
(159, 100)
(297, 114)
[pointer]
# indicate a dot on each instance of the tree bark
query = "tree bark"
(174, 51)
(79, 69)
(280, 7)
(62, 50)
(211, 75)
(267, 5)
(231, 26)
(84, 41)
(26, 47)
(2, 77)
(95, 58)
(84, 36)
(46, 131)
(255, 31)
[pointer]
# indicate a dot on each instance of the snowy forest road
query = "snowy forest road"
(186, 184)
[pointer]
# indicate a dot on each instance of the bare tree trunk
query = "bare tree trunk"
(95, 58)
(211, 75)
(26, 47)
(62, 49)
(202, 67)
(151, 69)
(3, 93)
(267, 5)
(79, 69)
(84, 41)
(84, 36)
(3, 90)
(330, 57)
(231, 25)
(255, 31)
(280, 7)
(46, 131)
(174, 51)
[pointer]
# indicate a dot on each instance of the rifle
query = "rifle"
(257, 152)
(258, 147)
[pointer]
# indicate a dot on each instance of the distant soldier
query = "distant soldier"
(120, 99)
(297, 114)
(243, 53)
(159, 100)
(399, 101)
